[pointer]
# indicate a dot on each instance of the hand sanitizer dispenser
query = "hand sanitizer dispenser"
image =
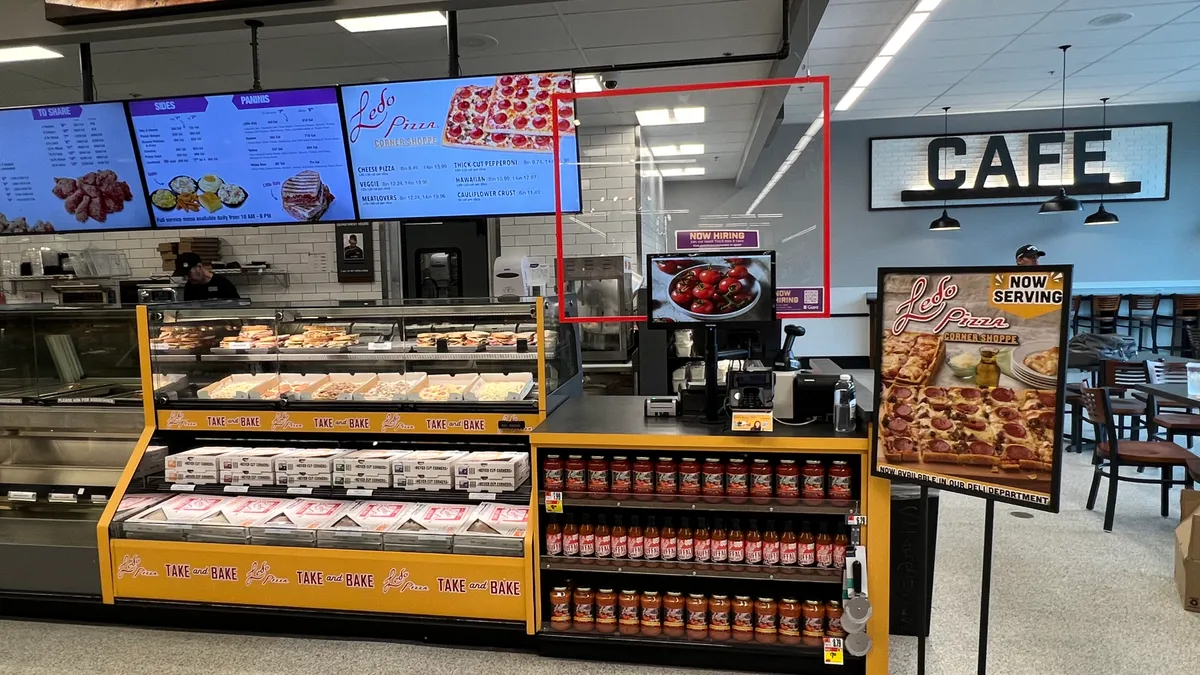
(511, 276)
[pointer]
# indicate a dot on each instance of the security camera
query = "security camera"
(610, 81)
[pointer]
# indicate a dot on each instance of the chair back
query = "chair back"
(1076, 303)
(1098, 405)
(1193, 333)
(1186, 305)
(1122, 375)
(1162, 372)
(1105, 305)
(1144, 303)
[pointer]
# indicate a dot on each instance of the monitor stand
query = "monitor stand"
(712, 397)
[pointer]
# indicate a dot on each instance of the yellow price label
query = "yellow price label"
(834, 656)
(554, 502)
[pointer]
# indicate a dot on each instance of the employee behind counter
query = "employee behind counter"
(202, 284)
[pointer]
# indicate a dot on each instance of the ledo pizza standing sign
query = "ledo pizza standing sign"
(969, 386)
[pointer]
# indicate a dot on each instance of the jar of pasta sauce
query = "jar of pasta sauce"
(712, 476)
(765, 629)
(737, 480)
(761, 480)
(697, 616)
(666, 474)
(643, 476)
(833, 614)
(560, 608)
(689, 476)
(789, 621)
(651, 614)
(584, 618)
(674, 614)
(622, 476)
(627, 617)
(597, 468)
(841, 480)
(813, 485)
(552, 473)
(787, 479)
(606, 611)
(719, 620)
(576, 474)
(813, 630)
(742, 612)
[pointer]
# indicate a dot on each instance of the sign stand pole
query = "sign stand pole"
(926, 610)
(986, 593)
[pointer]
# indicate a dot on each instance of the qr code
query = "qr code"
(812, 296)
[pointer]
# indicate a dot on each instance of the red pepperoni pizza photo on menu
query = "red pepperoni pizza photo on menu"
(514, 113)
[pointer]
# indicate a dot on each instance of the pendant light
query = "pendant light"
(945, 222)
(1102, 217)
(1061, 203)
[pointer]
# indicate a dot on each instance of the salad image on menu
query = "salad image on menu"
(469, 146)
(68, 169)
(244, 159)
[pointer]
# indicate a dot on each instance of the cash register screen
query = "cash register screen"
(733, 287)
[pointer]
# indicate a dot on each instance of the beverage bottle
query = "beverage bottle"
(620, 541)
(554, 537)
(587, 538)
(844, 404)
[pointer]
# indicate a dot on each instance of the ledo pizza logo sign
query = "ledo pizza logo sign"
(937, 309)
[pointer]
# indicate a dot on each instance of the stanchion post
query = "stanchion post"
(985, 597)
(923, 570)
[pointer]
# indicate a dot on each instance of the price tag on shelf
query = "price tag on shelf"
(834, 656)
(854, 519)
(63, 498)
(485, 496)
(237, 489)
(159, 347)
(180, 487)
(554, 502)
(239, 345)
(379, 346)
(359, 492)
(99, 499)
(299, 491)
(21, 496)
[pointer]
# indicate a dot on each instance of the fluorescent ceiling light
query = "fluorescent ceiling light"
(903, 33)
(586, 84)
(367, 24)
(677, 150)
(664, 116)
(15, 54)
(689, 171)
(849, 99)
(927, 5)
(873, 70)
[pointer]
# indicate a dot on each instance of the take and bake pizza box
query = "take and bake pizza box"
(362, 525)
(493, 529)
(498, 387)
(287, 385)
(230, 522)
(308, 459)
(337, 387)
(428, 463)
(369, 461)
(132, 505)
(361, 481)
(248, 477)
(252, 459)
(169, 384)
(428, 528)
(205, 458)
(192, 476)
(236, 386)
(173, 519)
(440, 388)
(391, 387)
(297, 523)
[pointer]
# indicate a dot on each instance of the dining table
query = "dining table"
(1175, 393)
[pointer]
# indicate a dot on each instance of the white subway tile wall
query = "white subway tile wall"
(294, 249)
(609, 222)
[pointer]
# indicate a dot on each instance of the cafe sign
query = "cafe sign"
(1122, 162)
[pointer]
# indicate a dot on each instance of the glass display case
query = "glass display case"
(424, 355)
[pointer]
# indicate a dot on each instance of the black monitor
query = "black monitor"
(714, 287)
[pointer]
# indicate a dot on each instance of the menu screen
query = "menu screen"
(68, 168)
(244, 159)
(478, 146)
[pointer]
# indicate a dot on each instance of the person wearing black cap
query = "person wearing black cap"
(202, 284)
(1028, 255)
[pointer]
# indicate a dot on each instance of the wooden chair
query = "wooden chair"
(1173, 419)
(1111, 453)
(1121, 377)
(1193, 342)
(1142, 311)
(1185, 315)
(1103, 318)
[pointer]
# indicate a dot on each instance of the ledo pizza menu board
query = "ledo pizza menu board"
(68, 168)
(480, 146)
(254, 158)
(969, 392)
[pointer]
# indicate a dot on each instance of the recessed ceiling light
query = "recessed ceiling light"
(677, 150)
(1110, 19)
(689, 171)
(664, 116)
(367, 24)
(15, 54)
(586, 84)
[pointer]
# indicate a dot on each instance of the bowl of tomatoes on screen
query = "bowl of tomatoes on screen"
(703, 290)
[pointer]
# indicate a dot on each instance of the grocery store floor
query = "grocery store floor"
(1067, 598)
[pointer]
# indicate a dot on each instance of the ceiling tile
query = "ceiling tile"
(1042, 60)
(1148, 69)
(1176, 32)
(863, 36)
(1077, 38)
(1150, 49)
(968, 9)
(1144, 15)
(1189, 88)
(817, 58)
(922, 48)
(898, 78)
(1110, 6)
(992, 26)
(915, 65)
(689, 49)
(887, 12)
(716, 21)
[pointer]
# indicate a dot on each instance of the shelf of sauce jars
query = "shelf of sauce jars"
(695, 570)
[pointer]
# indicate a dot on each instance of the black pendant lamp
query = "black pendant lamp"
(945, 222)
(1102, 217)
(1061, 203)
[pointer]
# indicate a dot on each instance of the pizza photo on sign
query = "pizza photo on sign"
(515, 113)
(969, 381)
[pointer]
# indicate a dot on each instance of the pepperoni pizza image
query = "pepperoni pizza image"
(912, 357)
(1006, 429)
(515, 113)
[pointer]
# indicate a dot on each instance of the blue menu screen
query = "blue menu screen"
(254, 158)
(478, 146)
(68, 168)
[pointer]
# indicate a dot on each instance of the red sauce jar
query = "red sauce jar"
(765, 616)
(552, 473)
(651, 614)
(643, 476)
(712, 475)
(597, 469)
(674, 617)
(789, 621)
(841, 480)
(627, 616)
(689, 476)
(813, 486)
(584, 618)
(622, 476)
(737, 479)
(720, 611)
(576, 474)
(606, 611)
(666, 476)
(560, 608)
(762, 478)
(787, 479)
(743, 618)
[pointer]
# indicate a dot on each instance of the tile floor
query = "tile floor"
(1067, 598)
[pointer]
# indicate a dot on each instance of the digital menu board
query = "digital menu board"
(68, 168)
(254, 158)
(476, 146)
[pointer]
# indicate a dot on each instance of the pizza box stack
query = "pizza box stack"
(229, 523)
(428, 528)
(297, 523)
(1187, 550)
(131, 505)
(367, 469)
(494, 529)
(492, 471)
(362, 525)
(431, 470)
(306, 468)
(198, 466)
(173, 519)
(250, 466)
